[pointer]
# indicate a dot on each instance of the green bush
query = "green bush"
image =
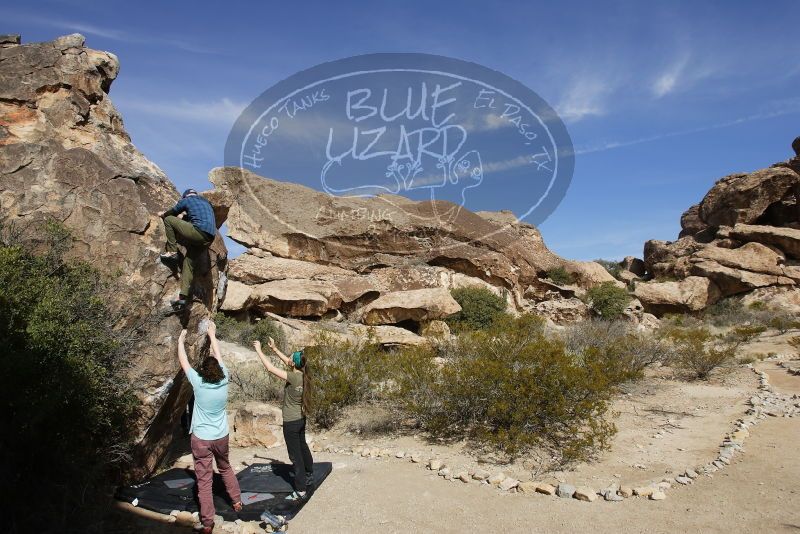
(343, 374)
(561, 276)
(68, 406)
(244, 333)
(732, 312)
(745, 333)
(252, 382)
(608, 300)
(698, 352)
(783, 322)
(509, 388)
(628, 350)
(479, 308)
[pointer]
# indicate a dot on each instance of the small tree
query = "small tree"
(479, 308)
(698, 352)
(561, 276)
(608, 300)
(613, 267)
(68, 402)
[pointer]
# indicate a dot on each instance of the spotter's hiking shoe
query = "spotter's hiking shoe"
(296, 496)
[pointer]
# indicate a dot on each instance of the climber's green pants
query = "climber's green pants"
(195, 241)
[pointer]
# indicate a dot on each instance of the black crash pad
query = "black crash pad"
(263, 487)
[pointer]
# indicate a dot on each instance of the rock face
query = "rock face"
(257, 424)
(743, 236)
(380, 260)
(417, 305)
(688, 295)
(65, 156)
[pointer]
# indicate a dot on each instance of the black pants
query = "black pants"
(294, 432)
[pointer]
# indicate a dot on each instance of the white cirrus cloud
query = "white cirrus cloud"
(585, 98)
(223, 111)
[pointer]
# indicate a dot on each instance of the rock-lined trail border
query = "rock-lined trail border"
(766, 402)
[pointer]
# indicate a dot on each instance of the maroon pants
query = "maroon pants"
(205, 452)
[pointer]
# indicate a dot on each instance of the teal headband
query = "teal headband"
(297, 359)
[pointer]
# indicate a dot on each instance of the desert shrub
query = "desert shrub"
(560, 276)
(743, 334)
(68, 405)
(509, 388)
(629, 351)
(613, 267)
(343, 374)
(253, 382)
(608, 300)
(698, 352)
(732, 312)
(681, 320)
(479, 308)
(783, 322)
(244, 333)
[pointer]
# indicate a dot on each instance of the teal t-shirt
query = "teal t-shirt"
(209, 419)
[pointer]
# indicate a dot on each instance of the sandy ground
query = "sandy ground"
(664, 425)
(757, 493)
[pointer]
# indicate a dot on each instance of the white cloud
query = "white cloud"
(107, 33)
(668, 80)
(585, 98)
(778, 109)
(218, 112)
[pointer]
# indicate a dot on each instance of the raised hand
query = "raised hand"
(272, 343)
(182, 337)
(212, 328)
(257, 345)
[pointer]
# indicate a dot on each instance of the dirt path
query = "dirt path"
(757, 493)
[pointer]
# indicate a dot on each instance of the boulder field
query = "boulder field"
(742, 238)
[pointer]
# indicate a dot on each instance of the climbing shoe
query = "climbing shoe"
(169, 258)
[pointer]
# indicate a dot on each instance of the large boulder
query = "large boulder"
(366, 234)
(563, 311)
(634, 265)
(780, 298)
(786, 239)
(65, 156)
(301, 333)
(744, 198)
(416, 305)
(732, 281)
(688, 295)
(257, 424)
(291, 297)
(753, 257)
(252, 269)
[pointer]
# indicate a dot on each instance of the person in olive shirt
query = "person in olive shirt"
(296, 404)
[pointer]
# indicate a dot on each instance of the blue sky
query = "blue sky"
(660, 99)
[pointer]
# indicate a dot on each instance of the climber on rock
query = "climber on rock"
(195, 231)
